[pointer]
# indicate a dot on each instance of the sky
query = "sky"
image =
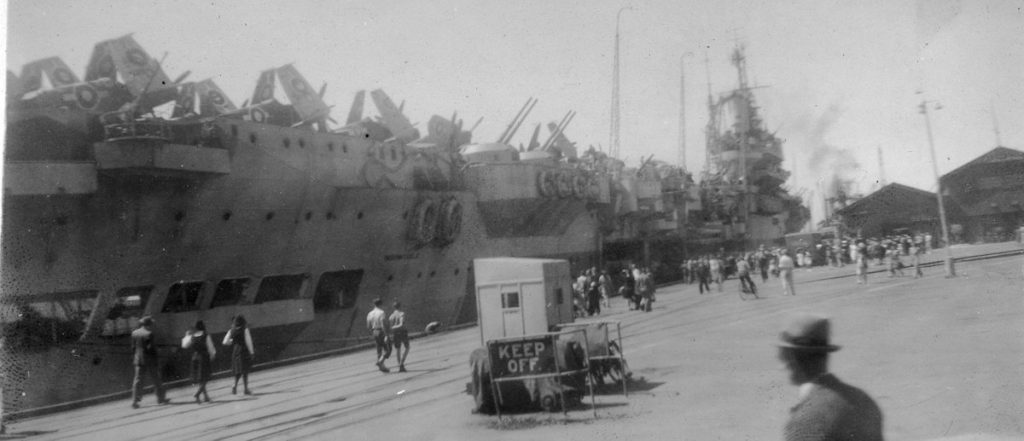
(841, 81)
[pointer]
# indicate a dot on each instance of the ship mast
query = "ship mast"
(739, 59)
(613, 150)
(682, 110)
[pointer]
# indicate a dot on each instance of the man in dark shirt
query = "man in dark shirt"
(828, 409)
(146, 360)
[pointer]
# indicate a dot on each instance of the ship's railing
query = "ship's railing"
(198, 133)
(136, 130)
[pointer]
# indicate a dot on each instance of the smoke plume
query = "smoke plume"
(837, 167)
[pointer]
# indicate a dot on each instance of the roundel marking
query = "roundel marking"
(137, 57)
(258, 115)
(63, 76)
(86, 97)
(216, 98)
(300, 86)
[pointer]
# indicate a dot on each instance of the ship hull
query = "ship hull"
(299, 236)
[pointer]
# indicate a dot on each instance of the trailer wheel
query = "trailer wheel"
(482, 397)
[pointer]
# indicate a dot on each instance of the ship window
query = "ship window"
(302, 143)
(337, 290)
(509, 300)
(274, 288)
(287, 143)
(226, 215)
(330, 146)
(359, 215)
(344, 148)
(183, 296)
(309, 215)
(270, 215)
(252, 138)
(229, 292)
(130, 302)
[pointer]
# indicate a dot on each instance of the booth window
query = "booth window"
(509, 300)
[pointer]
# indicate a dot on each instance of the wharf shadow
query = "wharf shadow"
(25, 433)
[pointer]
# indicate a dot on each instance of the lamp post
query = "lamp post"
(950, 268)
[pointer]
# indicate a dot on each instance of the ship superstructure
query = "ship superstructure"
(742, 189)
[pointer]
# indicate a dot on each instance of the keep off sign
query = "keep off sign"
(516, 358)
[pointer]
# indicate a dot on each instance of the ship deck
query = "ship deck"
(942, 357)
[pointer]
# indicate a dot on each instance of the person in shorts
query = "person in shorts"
(399, 335)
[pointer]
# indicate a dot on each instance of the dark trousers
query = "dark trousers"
(747, 284)
(153, 369)
(704, 284)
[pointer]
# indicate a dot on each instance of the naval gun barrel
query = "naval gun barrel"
(513, 126)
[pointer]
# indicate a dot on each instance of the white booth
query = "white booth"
(521, 296)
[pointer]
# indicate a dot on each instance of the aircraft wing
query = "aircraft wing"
(304, 99)
(355, 114)
(56, 71)
(212, 99)
(124, 56)
(392, 117)
(264, 87)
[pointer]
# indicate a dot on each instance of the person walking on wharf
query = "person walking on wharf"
(146, 361)
(377, 323)
(828, 409)
(242, 351)
(203, 353)
(786, 273)
(399, 335)
(743, 273)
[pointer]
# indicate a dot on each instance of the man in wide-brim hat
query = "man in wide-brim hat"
(828, 409)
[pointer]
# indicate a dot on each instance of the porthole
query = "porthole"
(433, 273)
(226, 215)
(302, 143)
(309, 215)
(330, 146)
(359, 215)
(390, 278)
(456, 271)
(287, 142)
(270, 215)
(252, 138)
(179, 216)
(329, 215)
(419, 275)
(405, 215)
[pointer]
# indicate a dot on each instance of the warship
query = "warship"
(745, 202)
(129, 194)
